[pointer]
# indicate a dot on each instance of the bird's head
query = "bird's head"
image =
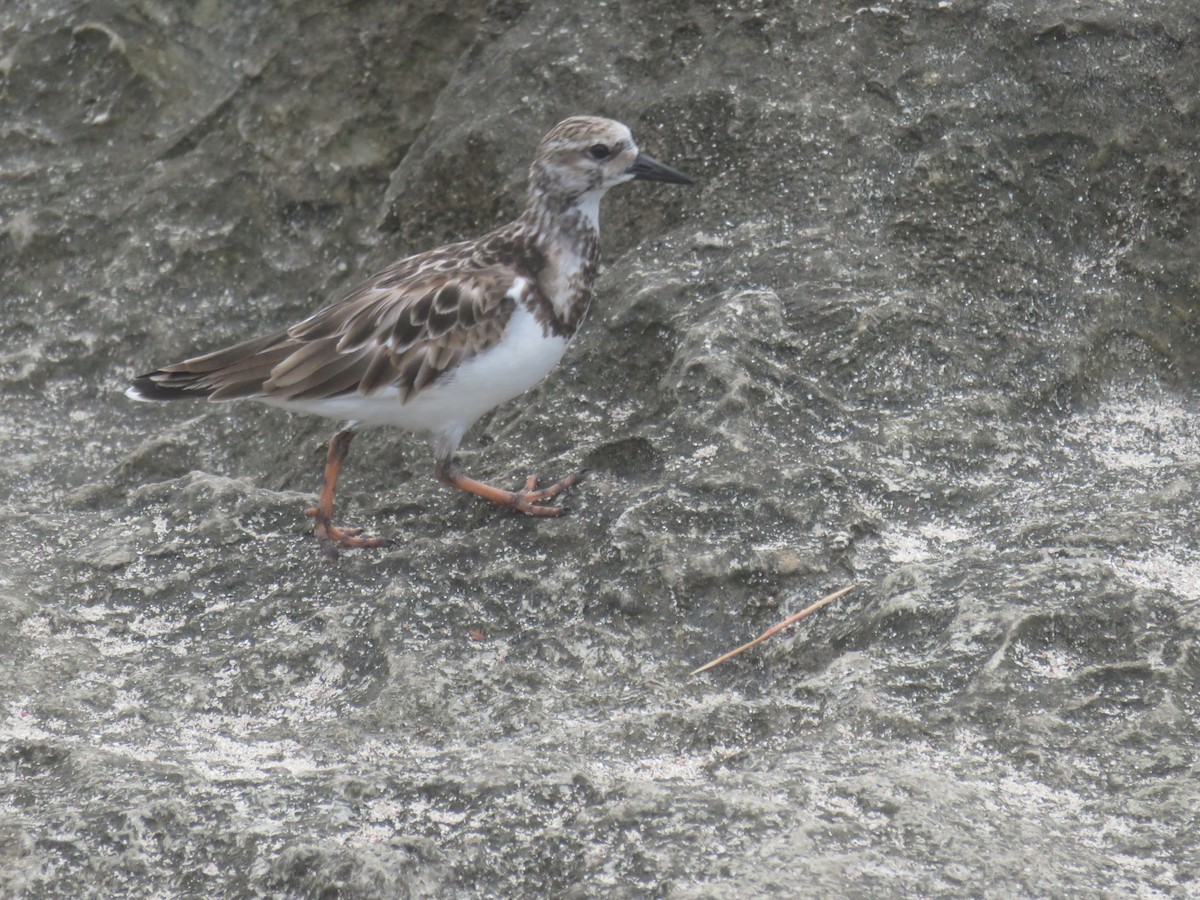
(587, 155)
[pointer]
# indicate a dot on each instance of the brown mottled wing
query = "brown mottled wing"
(402, 330)
(405, 327)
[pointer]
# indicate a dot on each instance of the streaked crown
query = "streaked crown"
(583, 154)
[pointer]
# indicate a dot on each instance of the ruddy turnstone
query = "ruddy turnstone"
(436, 340)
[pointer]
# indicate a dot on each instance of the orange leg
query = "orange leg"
(526, 500)
(330, 536)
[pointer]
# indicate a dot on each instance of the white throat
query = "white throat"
(589, 208)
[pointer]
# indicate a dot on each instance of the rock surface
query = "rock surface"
(927, 325)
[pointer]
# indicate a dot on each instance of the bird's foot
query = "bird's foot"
(331, 537)
(530, 498)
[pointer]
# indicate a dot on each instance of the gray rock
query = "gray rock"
(927, 325)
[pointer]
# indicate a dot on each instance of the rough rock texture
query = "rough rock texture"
(928, 325)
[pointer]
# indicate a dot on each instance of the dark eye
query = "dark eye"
(598, 151)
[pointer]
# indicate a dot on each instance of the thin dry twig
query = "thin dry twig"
(776, 628)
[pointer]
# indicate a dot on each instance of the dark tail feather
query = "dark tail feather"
(228, 374)
(162, 385)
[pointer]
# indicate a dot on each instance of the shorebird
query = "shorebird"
(436, 340)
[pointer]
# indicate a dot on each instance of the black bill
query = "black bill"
(647, 169)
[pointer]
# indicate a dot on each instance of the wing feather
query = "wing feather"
(340, 377)
(404, 328)
(409, 332)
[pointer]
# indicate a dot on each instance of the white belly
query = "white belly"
(449, 406)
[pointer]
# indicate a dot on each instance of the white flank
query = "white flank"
(523, 356)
